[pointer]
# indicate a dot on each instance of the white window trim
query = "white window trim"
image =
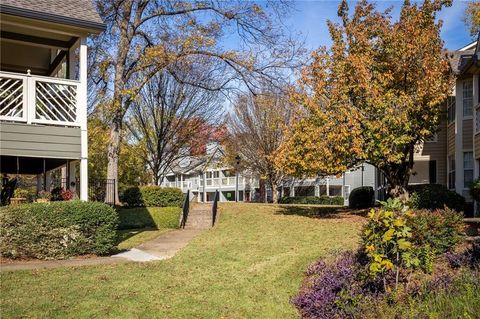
(467, 117)
(476, 128)
(472, 169)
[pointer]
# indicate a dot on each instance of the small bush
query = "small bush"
(151, 217)
(132, 196)
(29, 193)
(434, 196)
(153, 196)
(312, 200)
(361, 197)
(57, 230)
(475, 190)
(333, 289)
(440, 229)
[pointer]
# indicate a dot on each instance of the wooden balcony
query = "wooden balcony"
(39, 100)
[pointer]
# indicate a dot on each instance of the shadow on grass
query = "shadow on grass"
(134, 218)
(313, 211)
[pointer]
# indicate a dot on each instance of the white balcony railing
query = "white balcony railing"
(38, 99)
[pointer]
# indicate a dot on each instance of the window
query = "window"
(467, 98)
(467, 169)
(335, 190)
(451, 109)
(451, 172)
(432, 172)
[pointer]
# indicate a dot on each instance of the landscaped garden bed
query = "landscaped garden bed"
(408, 260)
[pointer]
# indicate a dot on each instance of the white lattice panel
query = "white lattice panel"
(11, 98)
(56, 102)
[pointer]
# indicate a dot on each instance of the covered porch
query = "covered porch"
(41, 174)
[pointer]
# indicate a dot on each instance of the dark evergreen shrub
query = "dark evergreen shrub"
(361, 197)
(132, 196)
(312, 200)
(435, 196)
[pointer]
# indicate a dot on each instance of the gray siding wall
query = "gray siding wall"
(451, 139)
(39, 141)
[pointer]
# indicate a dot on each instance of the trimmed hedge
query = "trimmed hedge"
(152, 196)
(435, 196)
(361, 197)
(148, 217)
(313, 200)
(57, 229)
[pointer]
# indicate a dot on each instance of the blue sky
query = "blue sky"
(310, 17)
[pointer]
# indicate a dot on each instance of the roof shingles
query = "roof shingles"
(82, 10)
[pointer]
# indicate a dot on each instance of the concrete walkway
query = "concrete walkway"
(163, 247)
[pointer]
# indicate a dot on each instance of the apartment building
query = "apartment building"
(463, 120)
(43, 89)
(205, 174)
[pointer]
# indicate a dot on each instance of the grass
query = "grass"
(129, 238)
(248, 266)
(149, 217)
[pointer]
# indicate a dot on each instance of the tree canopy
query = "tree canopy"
(375, 94)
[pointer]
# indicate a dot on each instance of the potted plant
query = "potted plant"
(66, 194)
(43, 197)
(20, 196)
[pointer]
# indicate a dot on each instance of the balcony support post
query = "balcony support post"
(82, 117)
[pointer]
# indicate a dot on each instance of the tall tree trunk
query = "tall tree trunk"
(274, 192)
(263, 191)
(113, 155)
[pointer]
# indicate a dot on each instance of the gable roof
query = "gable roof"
(79, 13)
(458, 59)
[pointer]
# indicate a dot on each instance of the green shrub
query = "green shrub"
(440, 229)
(57, 229)
(475, 190)
(434, 196)
(361, 197)
(156, 196)
(396, 239)
(132, 196)
(153, 196)
(29, 193)
(148, 217)
(313, 200)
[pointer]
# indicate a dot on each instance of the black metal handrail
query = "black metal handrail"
(185, 210)
(215, 207)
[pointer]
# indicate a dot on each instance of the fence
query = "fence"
(102, 190)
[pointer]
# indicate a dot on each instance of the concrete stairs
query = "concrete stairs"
(199, 216)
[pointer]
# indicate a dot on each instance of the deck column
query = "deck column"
(317, 190)
(82, 114)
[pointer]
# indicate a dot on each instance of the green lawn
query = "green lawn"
(248, 266)
(129, 238)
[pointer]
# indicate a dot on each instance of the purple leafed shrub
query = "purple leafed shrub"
(441, 281)
(331, 290)
(457, 260)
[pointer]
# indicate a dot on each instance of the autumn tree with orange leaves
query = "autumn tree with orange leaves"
(372, 96)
